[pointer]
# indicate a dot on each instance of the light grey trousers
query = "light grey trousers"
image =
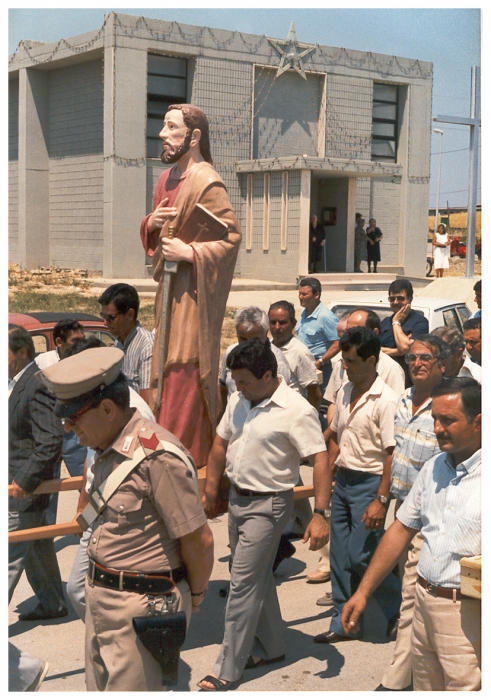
(253, 623)
(23, 669)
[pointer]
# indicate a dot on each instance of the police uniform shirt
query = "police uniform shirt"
(156, 504)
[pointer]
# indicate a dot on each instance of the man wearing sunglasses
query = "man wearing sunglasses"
(405, 325)
(120, 304)
(148, 526)
(416, 443)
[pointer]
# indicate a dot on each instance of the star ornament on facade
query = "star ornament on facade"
(292, 52)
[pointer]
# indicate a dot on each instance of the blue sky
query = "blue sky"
(448, 37)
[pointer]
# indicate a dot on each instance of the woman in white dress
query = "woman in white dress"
(441, 241)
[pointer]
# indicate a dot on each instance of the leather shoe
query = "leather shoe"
(393, 627)
(40, 614)
(326, 600)
(319, 576)
(393, 690)
(285, 551)
(331, 638)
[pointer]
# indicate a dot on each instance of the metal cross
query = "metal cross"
(474, 122)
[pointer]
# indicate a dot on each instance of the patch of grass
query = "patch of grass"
(28, 300)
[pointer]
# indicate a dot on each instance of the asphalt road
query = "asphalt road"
(350, 666)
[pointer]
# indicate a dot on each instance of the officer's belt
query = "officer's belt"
(99, 497)
(158, 583)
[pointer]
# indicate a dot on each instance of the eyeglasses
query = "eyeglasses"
(77, 415)
(425, 358)
(109, 317)
(398, 297)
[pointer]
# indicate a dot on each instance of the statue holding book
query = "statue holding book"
(193, 238)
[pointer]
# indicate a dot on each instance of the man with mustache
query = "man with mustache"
(444, 504)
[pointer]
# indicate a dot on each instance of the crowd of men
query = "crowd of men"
(381, 410)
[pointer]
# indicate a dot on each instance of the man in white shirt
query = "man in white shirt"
(250, 322)
(392, 374)
(65, 333)
(473, 348)
(267, 429)
(363, 427)
(444, 504)
(387, 368)
(303, 373)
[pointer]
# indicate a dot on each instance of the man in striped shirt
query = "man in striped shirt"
(416, 443)
(445, 505)
(119, 310)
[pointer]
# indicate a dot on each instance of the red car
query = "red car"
(460, 248)
(40, 325)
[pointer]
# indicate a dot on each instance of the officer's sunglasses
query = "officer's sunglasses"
(397, 297)
(77, 415)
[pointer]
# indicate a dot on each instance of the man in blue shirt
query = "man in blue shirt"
(317, 327)
(405, 325)
(445, 505)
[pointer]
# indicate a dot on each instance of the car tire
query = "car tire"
(429, 266)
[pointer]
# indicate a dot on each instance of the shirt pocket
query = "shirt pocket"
(466, 537)
(125, 508)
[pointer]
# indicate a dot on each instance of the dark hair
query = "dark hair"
(255, 356)
(20, 338)
(469, 390)
(195, 118)
(64, 327)
(450, 335)
(477, 287)
(373, 320)
(286, 306)
(365, 340)
(402, 285)
(123, 296)
(472, 324)
(83, 344)
(441, 346)
(311, 282)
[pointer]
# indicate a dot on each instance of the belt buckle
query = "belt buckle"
(432, 589)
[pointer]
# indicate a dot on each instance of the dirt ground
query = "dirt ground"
(457, 268)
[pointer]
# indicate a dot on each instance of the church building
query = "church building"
(296, 129)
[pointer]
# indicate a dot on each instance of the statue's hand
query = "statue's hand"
(161, 214)
(175, 250)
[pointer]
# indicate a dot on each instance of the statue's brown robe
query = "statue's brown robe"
(200, 291)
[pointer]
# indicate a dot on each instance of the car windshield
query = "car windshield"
(381, 311)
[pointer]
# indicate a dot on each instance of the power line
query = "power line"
(449, 97)
(452, 192)
(456, 150)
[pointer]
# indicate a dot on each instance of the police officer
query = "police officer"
(150, 526)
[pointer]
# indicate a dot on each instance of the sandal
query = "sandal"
(217, 683)
(250, 663)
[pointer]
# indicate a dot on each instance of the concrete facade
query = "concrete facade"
(286, 147)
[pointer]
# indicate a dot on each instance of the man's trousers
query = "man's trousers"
(115, 659)
(399, 673)
(446, 643)
(253, 624)
(352, 545)
(75, 587)
(38, 558)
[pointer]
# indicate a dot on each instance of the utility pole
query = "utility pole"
(474, 122)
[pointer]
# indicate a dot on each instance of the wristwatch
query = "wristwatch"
(396, 323)
(383, 499)
(325, 513)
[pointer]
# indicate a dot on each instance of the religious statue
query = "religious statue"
(193, 238)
